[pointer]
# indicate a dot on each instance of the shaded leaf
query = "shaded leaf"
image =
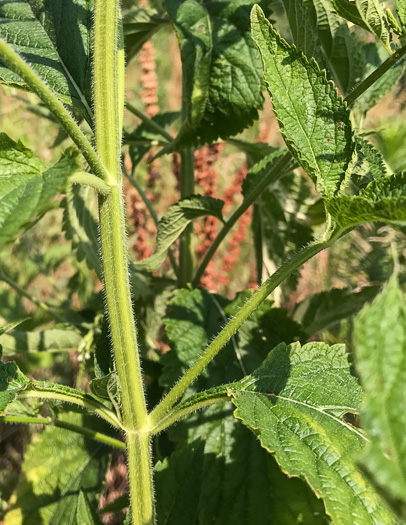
(382, 200)
(319, 311)
(12, 381)
(80, 224)
(368, 14)
(143, 138)
(58, 466)
(218, 470)
(27, 185)
(294, 403)
(139, 25)
(175, 221)
(313, 119)
(60, 53)
(50, 340)
(221, 68)
(85, 514)
(380, 346)
(322, 34)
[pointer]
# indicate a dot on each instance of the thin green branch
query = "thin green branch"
(21, 291)
(88, 179)
(83, 401)
(292, 264)
(132, 180)
(375, 75)
(273, 175)
(38, 86)
(87, 432)
(179, 413)
(152, 124)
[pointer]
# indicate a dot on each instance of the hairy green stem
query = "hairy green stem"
(292, 264)
(132, 180)
(38, 86)
(273, 174)
(187, 188)
(152, 124)
(109, 107)
(87, 432)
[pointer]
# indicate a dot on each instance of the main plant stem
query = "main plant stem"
(109, 107)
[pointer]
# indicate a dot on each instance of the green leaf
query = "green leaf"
(175, 221)
(139, 25)
(10, 326)
(12, 381)
(319, 311)
(322, 34)
(85, 514)
(313, 119)
(221, 68)
(50, 340)
(27, 185)
(80, 224)
(368, 14)
(382, 200)
(294, 404)
(369, 166)
(58, 466)
(218, 469)
(380, 346)
(401, 10)
(225, 478)
(143, 138)
(60, 53)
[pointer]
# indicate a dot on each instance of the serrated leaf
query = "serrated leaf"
(226, 478)
(57, 467)
(175, 221)
(218, 469)
(382, 200)
(368, 14)
(313, 119)
(320, 33)
(80, 224)
(50, 340)
(221, 68)
(294, 403)
(380, 346)
(12, 381)
(60, 53)
(139, 25)
(401, 10)
(369, 166)
(194, 317)
(319, 311)
(27, 185)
